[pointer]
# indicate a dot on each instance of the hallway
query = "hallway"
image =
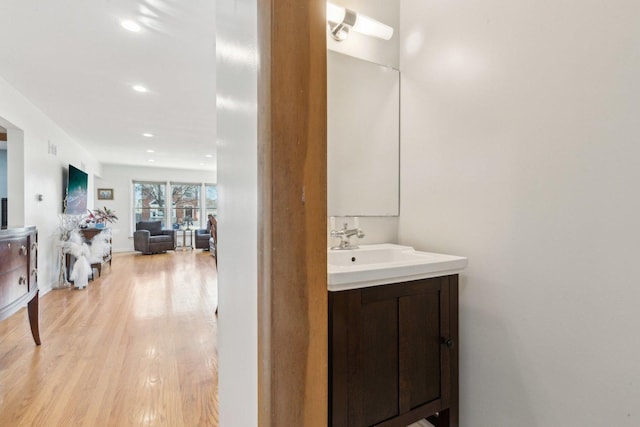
(138, 347)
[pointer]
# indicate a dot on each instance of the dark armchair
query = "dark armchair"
(202, 239)
(150, 238)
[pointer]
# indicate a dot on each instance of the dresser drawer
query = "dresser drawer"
(13, 253)
(13, 285)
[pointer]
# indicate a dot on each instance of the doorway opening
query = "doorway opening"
(11, 175)
(3, 177)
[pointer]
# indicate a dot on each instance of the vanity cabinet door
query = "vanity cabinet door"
(377, 385)
(392, 350)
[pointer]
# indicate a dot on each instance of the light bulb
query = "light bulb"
(371, 27)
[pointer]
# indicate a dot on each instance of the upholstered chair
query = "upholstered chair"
(150, 238)
(202, 239)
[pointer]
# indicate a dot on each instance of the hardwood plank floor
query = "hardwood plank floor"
(138, 347)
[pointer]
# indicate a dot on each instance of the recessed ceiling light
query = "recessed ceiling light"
(131, 25)
(150, 151)
(151, 160)
(147, 135)
(209, 155)
(140, 88)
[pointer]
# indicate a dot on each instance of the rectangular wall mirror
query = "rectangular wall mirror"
(363, 131)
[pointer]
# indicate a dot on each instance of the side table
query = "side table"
(185, 233)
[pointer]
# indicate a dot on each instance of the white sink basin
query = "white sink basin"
(372, 265)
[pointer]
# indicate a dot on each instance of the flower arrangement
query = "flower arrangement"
(101, 216)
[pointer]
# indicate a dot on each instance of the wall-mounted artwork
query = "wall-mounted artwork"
(105, 193)
(76, 200)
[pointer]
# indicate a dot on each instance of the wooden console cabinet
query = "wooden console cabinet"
(393, 354)
(19, 274)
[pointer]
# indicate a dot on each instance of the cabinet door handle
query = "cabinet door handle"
(34, 271)
(34, 246)
(22, 280)
(448, 342)
(23, 250)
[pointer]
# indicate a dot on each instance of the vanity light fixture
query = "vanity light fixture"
(341, 20)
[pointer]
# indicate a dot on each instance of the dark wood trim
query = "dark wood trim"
(445, 352)
(292, 289)
(354, 373)
(453, 412)
(34, 324)
(338, 360)
(3, 136)
(399, 290)
(404, 349)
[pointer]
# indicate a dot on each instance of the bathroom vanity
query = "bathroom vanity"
(393, 337)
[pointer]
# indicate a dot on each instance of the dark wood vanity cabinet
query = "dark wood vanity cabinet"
(19, 274)
(393, 354)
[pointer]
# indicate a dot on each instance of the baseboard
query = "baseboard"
(122, 250)
(43, 290)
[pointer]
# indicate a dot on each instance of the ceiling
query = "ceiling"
(76, 63)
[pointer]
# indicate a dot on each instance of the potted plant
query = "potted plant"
(102, 216)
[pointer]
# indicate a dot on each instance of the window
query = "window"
(211, 200)
(189, 207)
(149, 200)
(185, 202)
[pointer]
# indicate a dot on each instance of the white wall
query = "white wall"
(33, 171)
(120, 178)
(236, 79)
(520, 150)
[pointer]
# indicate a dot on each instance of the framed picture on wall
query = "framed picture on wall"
(105, 193)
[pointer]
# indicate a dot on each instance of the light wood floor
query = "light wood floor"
(138, 347)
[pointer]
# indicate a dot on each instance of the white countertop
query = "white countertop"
(381, 264)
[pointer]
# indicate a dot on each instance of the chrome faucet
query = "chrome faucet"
(344, 234)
